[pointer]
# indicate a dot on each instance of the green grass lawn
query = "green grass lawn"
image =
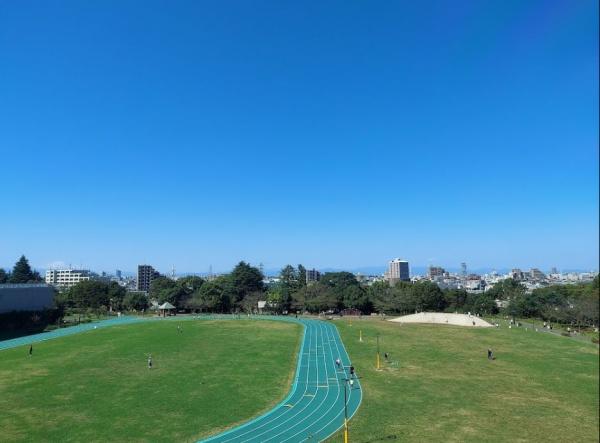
(540, 388)
(96, 386)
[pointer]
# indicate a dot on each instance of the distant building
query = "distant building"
(553, 271)
(463, 269)
(26, 297)
(119, 274)
(435, 271)
(65, 278)
(312, 275)
(145, 275)
(536, 274)
(517, 274)
(397, 271)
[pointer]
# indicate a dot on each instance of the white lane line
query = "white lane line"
(359, 400)
(264, 418)
(316, 433)
(321, 415)
(302, 409)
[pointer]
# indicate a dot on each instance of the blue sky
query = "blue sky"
(333, 134)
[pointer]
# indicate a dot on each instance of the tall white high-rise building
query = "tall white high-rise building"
(398, 270)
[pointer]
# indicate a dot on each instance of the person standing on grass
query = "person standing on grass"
(30, 350)
(149, 361)
(490, 354)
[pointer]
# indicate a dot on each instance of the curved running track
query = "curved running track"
(313, 409)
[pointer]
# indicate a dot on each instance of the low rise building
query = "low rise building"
(65, 278)
(26, 297)
(312, 275)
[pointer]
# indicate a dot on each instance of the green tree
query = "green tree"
(164, 289)
(245, 279)
(381, 297)
(3, 276)
(288, 278)
(212, 296)
(93, 294)
(357, 297)
(135, 301)
(22, 272)
(428, 296)
(338, 283)
(455, 299)
(301, 276)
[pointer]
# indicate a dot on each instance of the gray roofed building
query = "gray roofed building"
(26, 297)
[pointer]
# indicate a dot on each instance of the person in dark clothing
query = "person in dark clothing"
(30, 350)
(490, 354)
(351, 371)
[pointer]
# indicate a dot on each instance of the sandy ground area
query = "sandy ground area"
(443, 318)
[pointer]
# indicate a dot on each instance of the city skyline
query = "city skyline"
(336, 135)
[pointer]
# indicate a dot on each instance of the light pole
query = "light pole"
(378, 357)
(346, 436)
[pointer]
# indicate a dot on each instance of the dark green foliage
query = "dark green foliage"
(28, 322)
(212, 296)
(22, 273)
(177, 292)
(3, 276)
(245, 280)
(301, 276)
(137, 301)
(93, 294)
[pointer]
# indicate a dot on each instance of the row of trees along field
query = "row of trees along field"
(241, 290)
(21, 273)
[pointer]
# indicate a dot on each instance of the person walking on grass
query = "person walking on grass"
(30, 350)
(149, 361)
(490, 354)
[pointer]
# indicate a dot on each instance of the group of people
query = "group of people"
(338, 364)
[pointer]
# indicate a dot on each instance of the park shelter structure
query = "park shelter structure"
(166, 309)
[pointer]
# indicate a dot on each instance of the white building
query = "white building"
(65, 278)
(397, 271)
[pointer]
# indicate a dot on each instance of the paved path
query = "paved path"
(313, 409)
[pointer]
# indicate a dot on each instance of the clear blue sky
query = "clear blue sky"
(333, 134)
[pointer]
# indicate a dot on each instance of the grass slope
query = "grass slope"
(96, 386)
(540, 387)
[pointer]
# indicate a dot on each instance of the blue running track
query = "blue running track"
(313, 409)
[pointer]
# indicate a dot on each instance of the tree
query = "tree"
(357, 297)
(212, 297)
(338, 283)
(455, 299)
(301, 276)
(93, 294)
(22, 272)
(135, 301)
(245, 279)
(164, 289)
(288, 278)
(381, 297)
(3, 276)
(191, 283)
